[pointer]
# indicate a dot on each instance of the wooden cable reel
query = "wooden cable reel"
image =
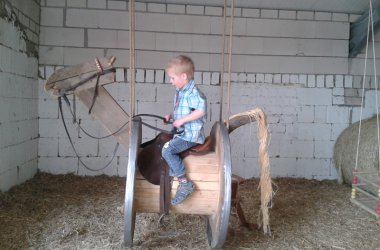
(211, 174)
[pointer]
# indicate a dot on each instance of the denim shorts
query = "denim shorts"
(171, 151)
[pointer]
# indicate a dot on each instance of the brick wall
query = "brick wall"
(19, 34)
(292, 64)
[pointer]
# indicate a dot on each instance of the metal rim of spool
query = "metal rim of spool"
(217, 225)
(129, 211)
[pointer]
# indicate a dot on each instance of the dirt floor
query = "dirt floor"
(71, 212)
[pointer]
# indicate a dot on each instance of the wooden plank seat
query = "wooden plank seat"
(202, 170)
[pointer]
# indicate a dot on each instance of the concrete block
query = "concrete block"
(374, 82)
(120, 75)
(351, 92)
(254, 13)
(339, 81)
(320, 114)
(51, 16)
(58, 165)
(277, 78)
(296, 28)
(146, 92)
(323, 16)
(357, 82)
(159, 76)
(76, 3)
(268, 78)
(287, 14)
(102, 38)
(340, 17)
(283, 166)
(195, 9)
(157, 7)
(324, 149)
(298, 149)
(206, 78)
(237, 12)
(234, 77)
(338, 115)
(50, 55)
(176, 8)
(165, 93)
(62, 36)
(55, 3)
(294, 79)
(117, 5)
(139, 6)
(305, 15)
(320, 81)
(48, 108)
(198, 77)
(149, 75)
(329, 81)
(242, 77)
(260, 78)
(251, 78)
(98, 19)
(314, 96)
(311, 168)
(215, 79)
(213, 11)
(97, 4)
(73, 56)
(140, 75)
(285, 79)
(338, 100)
(302, 79)
(338, 91)
(305, 114)
(311, 83)
(266, 13)
(48, 147)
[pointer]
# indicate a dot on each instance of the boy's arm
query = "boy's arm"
(196, 114)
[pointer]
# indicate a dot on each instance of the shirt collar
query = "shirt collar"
(189, 85)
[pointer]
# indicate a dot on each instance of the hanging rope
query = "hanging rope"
(370, 30)
(230, 61)
(222, 65)
(132, 58)
(375, 76)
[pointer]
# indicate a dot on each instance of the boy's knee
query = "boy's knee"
(165, 150)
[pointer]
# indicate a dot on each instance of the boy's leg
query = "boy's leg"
(170, 152)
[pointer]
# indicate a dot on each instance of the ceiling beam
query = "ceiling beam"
(359, 29)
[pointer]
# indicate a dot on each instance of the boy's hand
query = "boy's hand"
(178, 123)
(167, 119)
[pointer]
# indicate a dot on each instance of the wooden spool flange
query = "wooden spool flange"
(211, 174)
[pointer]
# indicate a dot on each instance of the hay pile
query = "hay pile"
(346, 147)
(72, 212)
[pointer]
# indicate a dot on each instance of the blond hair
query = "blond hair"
(182, 64)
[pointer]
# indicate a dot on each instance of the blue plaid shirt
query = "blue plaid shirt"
(185, 101)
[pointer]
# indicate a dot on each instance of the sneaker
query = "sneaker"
(184, 190)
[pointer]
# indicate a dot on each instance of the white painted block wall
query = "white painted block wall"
(292, 64)
(18, 93)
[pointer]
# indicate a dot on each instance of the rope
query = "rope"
(222, 65)
(230, 61)
(132, 68)
(72, 144)
(370, 28)
(375, 74)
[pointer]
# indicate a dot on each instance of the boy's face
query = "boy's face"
(177, 80)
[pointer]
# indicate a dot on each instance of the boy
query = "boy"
(188, 118)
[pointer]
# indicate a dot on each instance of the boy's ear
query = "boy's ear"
(184, 76)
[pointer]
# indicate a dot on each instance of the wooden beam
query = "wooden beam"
(359, 29)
